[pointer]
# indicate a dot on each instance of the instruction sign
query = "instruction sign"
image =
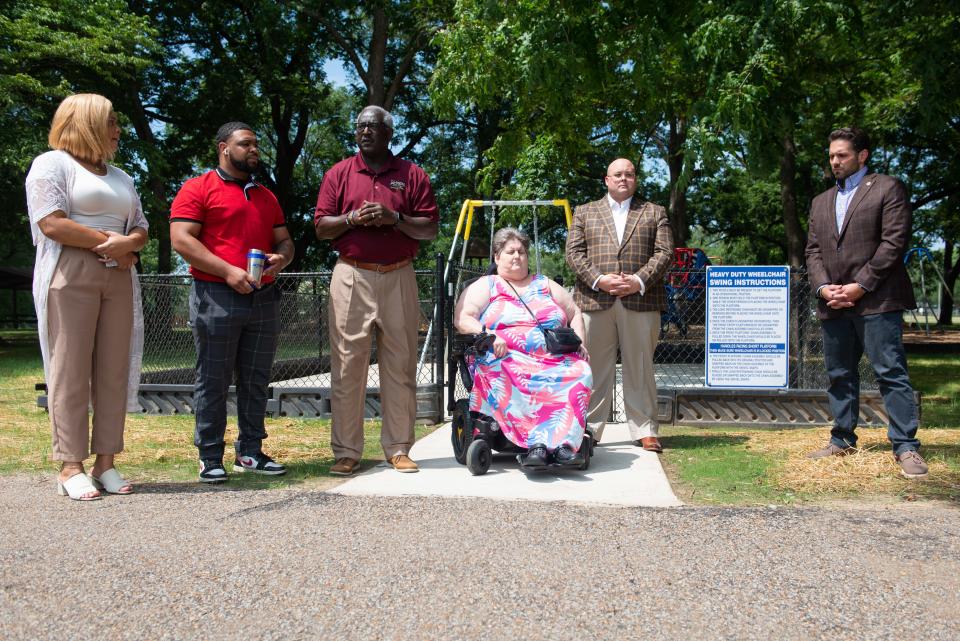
(747, 330)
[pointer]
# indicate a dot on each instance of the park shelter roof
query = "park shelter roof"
(16, 278)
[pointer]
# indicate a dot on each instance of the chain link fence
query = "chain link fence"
(680, 353)
(303, 355)
(303, 346)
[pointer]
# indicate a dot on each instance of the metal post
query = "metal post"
(536, 235)
(926, 299)
(493, 223)
(440, 294)
(800, 310)
(320, 323)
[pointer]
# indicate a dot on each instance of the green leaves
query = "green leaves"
(723, 104)
(52, 48)
(50, 41)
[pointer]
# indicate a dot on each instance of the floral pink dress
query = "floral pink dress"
(533, 395)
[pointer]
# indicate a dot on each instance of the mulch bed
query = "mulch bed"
(938, 340)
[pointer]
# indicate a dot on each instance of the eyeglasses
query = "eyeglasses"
(629, 175)
(372, 125)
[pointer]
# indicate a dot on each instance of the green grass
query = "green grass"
(937, 378)
(717, 467)
(731, 466)
(157, 448)
(737, 465)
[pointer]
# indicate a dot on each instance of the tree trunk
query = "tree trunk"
(377, 59)
(290, 139)
(678, 193)
(796, 241)
(157, 197)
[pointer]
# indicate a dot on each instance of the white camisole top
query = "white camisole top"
(100, 202)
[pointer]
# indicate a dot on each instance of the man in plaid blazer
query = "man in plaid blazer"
(620, 248)
(859, 230)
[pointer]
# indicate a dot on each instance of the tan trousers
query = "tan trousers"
(89, 320)
(365, 303)
(635, 333)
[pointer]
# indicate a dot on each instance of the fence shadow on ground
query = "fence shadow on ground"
(700, 441)
(299, 472)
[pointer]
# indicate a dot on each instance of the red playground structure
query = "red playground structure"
(686, 289)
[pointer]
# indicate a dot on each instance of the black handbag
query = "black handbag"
(558, 340)
(561, 340)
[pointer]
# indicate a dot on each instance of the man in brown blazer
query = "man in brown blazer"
(620, 248)
(859, 231)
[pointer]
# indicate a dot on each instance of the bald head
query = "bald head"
(621, 179)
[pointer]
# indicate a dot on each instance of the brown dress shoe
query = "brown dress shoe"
(344, 467)
(912, 465)
(650, 444)
(831, 449)
(403, 463)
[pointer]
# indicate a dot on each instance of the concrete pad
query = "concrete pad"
(323, 379)
(620, 474)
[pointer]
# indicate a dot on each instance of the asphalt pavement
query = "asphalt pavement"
(182, 561)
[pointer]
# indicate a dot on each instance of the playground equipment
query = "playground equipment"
(686, 288)
(465, 224)
(924, 257)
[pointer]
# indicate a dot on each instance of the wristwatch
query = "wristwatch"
(399, 218)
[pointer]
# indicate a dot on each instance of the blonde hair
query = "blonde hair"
(80, 127)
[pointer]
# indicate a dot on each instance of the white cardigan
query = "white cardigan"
(49, 185)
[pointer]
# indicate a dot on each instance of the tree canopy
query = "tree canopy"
(724, 106)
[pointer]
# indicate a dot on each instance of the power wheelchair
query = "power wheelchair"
(475, 436)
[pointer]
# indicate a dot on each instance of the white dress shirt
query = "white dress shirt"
(619, 211)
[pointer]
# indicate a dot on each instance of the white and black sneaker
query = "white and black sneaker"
(258, 463)
(211, 471)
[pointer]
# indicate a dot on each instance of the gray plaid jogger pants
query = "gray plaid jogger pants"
(234, 334)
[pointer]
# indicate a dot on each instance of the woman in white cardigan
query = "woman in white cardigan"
(87, 224)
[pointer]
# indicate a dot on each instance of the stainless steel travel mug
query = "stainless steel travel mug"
(255, 263)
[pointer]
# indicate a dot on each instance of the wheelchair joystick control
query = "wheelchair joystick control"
(484, 342)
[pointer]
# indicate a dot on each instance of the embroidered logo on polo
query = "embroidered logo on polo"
(398, 185)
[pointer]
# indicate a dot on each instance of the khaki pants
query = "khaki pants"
(635, 333)
(89, 320)
(365, 303)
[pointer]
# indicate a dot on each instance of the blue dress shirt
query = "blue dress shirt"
(845, 191)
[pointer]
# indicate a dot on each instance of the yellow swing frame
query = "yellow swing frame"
(465, 224)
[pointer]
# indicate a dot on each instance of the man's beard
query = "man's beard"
(244, 166)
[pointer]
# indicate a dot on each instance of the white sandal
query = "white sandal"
(76, 486)
(112, 482)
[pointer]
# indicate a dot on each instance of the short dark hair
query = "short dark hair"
(854, 135)
(226, 130)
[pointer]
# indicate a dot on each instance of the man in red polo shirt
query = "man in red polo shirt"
(376, 209)
(215, 220)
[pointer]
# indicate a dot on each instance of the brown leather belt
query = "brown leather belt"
(376, 267)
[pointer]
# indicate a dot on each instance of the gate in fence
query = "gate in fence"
(300, 379)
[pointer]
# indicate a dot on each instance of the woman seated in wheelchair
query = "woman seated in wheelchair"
(538, 398)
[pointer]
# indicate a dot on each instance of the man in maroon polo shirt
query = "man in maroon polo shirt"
(376, 209)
